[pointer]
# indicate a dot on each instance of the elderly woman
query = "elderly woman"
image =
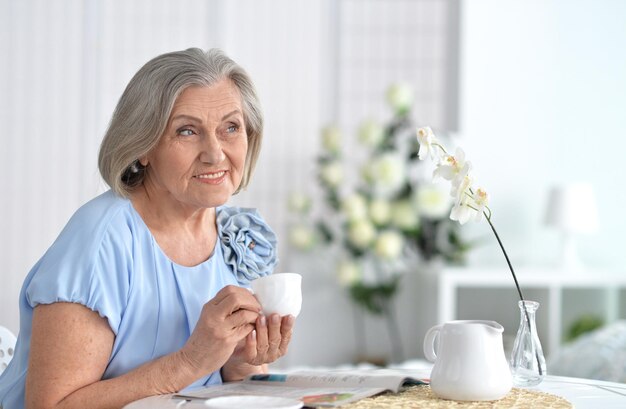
(143, 292)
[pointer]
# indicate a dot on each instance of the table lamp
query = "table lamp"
(572, 210)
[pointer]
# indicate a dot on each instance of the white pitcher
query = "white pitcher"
(469, 362)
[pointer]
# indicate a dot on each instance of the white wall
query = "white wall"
(543, 97)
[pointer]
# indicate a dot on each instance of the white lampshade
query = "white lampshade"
(572, 208)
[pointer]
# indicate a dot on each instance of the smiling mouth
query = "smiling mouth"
(215, 175)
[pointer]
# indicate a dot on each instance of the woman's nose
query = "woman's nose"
(212, 151)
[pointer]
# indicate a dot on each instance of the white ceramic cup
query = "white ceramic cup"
(279, 293)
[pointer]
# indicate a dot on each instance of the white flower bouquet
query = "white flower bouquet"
(376, 213)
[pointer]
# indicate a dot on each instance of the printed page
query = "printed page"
(314, 388)
(316, 397)
(335, 379)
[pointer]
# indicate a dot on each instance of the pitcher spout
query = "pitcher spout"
(494, 326)
(491, 326)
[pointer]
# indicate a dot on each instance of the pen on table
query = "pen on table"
(182, 403)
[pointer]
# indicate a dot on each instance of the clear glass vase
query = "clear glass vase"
(528, 365)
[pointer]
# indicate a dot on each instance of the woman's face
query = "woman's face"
(200, 159)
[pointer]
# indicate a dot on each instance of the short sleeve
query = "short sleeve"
(89, 264)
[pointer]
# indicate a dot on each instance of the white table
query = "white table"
(582, 393)
(585, 393)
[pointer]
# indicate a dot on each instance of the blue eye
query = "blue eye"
(185, 132)
(232, 129)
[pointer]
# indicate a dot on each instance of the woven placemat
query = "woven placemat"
(423, 397)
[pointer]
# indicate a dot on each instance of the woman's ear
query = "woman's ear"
(144, 161)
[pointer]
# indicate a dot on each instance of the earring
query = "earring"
(134, 168)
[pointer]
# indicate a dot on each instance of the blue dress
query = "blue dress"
(107, 260)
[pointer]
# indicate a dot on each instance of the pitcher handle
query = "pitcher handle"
(429, 342)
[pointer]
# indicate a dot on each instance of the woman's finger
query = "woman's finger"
(262, 342)
(286, 329)
(241, 318)
(274, 337)
(250, 348)
(231, 298)
(244, 331)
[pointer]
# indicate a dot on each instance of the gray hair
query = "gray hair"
(142, 113)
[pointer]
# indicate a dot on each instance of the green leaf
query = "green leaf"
(325, 231)
(374, 297)
(585, 323)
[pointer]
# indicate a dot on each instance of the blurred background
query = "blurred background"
(533, 90)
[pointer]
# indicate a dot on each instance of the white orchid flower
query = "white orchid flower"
(354, 207)
(460, 187)
(426, 139)
(389, 245)
(332, 174)
(361, 233)
(331, 139)
(462, 211)
(481, 201)
(371, 133)
(470, 204)
(464, 171)
(453, 168)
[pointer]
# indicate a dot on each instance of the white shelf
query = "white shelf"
(450, 280)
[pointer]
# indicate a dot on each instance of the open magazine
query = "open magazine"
(316, 389)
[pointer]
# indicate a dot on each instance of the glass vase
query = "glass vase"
(528, 365)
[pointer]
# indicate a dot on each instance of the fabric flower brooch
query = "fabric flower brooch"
(248, 243)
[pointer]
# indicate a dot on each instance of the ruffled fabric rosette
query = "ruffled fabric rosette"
(248, 243)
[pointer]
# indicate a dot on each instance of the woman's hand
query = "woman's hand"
(224, 321)
(268, 342)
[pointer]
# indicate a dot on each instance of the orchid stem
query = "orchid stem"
(506, 256)
(519, 290)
